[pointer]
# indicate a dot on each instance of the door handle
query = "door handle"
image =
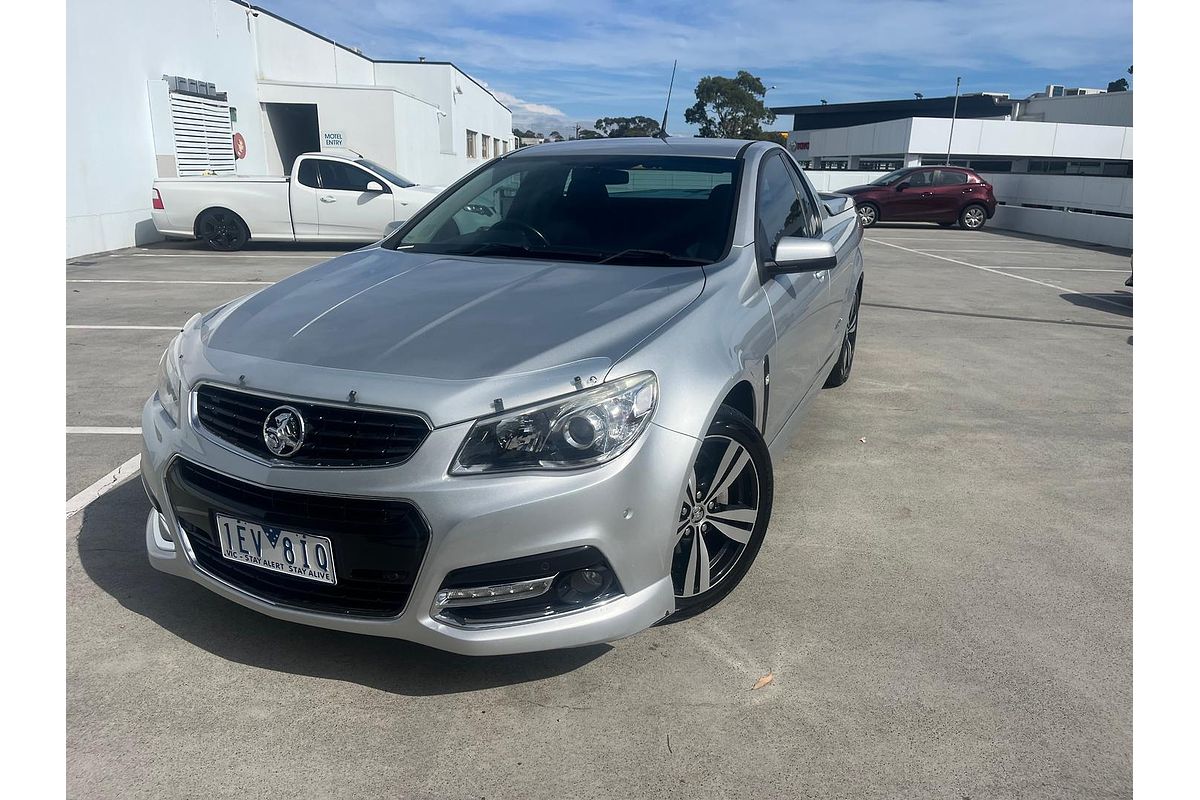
(926, 194)
(328, 199)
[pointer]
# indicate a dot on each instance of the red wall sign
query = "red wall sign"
(239, 146)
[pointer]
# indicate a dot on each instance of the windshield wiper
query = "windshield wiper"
(636, 254)
(524, 251)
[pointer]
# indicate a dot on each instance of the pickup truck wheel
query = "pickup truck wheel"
(221, 229)
(868, 214)
(841, 370)
(972, 218)
(723, 514)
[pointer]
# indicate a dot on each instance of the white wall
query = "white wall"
(113, 52)
(287, 53)
(1069, 191)
(1110, 108)
(983, 137)
(1091, 228)
(467, 107)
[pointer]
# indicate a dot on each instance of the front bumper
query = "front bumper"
(626, 509)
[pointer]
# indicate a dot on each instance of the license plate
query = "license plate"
(301, 555)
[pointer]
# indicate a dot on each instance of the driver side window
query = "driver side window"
(922, 177)
(338, 176)
(780, 210)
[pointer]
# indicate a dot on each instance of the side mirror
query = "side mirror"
(901, 187)
(796, 254)
(374, 186)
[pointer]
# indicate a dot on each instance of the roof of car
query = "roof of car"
(647, 145)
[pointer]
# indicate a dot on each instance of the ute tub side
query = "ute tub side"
(262, 203)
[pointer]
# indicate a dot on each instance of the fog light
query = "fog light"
(584, 585)
(485, 595)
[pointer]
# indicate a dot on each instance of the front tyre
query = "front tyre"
(972, 218)
(221, 229)
(723, 515)
(841, 370)
(868, 214)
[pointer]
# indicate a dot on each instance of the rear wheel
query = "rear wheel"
(868, 214)
(972, 218)
(841, 370)
(221, 229)
(723, 514)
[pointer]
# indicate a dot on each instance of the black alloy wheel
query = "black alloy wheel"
(221, 229)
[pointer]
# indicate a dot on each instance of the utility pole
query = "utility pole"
(953, 116)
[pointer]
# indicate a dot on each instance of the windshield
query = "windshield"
(388, 175)
(615, 209)
(891, 176)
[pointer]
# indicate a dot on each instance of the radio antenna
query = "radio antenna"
(662, 129)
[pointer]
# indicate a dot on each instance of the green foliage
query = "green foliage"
(1119, 85)
(614, 127)
(730, 108)
(588, 133)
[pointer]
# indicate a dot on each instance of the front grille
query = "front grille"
(335, 436)
(378, 545)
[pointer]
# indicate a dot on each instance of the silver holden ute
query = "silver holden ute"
(541, 413)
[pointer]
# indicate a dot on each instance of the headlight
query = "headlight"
(170, 387)
(578, 430)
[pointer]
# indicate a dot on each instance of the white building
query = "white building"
(167, 87)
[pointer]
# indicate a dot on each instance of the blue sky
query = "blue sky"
(558, 62)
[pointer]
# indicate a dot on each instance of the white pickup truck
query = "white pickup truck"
(327, 197)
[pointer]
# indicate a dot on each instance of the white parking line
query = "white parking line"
(1066, 269)
(108, 431)
(198, 283)
(124, 327)
(958, 250)
(109, 482)
(995, 271)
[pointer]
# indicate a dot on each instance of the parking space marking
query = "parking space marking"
(91, 429)
(1067, 269)
(197, 283)
(995, 271)
(106, 484)
(959, 250)
(124, 327)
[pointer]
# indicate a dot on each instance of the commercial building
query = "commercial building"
(191, 87)
(1062, 164)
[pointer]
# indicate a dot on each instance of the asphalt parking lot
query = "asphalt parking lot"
(943, 597)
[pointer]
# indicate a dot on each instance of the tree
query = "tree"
(1119, 85)
(614, 127)
(555, 136)
(588, 133)
(730, 108)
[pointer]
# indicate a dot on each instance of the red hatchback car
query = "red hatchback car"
(944, 195)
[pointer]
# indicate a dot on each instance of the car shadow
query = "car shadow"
(112, 551)
(1120, 303)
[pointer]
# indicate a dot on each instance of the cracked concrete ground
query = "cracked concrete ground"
(946, 607)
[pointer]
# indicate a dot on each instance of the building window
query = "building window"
(471, 144)
(880, 165)
(486, 155)
(992, 166)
